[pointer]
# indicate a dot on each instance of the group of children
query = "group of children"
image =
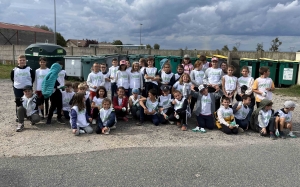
(141, 91)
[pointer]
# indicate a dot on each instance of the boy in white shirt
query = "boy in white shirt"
(94, 80)
(67, 95)
(241, 111)
(112, 75)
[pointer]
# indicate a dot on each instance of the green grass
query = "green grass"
(293, 91)
(5, 71)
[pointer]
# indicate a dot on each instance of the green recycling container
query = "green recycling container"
(252, 65)
(288, 71)
(122, 57)
(193, 59)
(133, 58)
(87, 64)
(109, 58)
(157, 60)
(52, 52)
(208, 58)
(175, 61)
(273, 65)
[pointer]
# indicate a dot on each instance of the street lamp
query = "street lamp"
(55, 23)
(141, 34)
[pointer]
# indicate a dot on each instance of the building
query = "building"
(75, 43)
(13, 34)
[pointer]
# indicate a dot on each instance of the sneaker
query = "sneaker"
(106, 130)
(125, 119)
(140, 123)
(59, 120)
(48, 121)
(202, 130)
(240, 130)
(20, 127)
(171, 122)
(184, 128)
(197, 129)
(113, 127)
(291, 134)
(81, 131)
(94, 121)
(272, 137)
(282, 135)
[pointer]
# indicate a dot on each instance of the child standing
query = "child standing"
(187, 64)
(96, 105)
(224, 68)
(128, 67)
(134, 103)
(135, 78)
(263, 86)
(94, 80)
(103, 68)
(61, 75)
(283, 119)
(179, 72)
(151, 76)
(112, 74)
(206, 64)
(79, 117)
(183, 85)
(143, 64)
(120, 104)
(66, 98)
(167, 77)
(122, 77)
(197, 76)
(229, 83)
(165, 104)
(106, 119)
(39, 77)
(28, 108)
(180, 105)
(241, 112)
(149, 108)
(226, 117)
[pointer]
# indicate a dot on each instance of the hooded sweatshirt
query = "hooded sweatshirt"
(254, 117)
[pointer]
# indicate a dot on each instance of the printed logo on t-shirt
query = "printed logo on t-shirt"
(263, 85)
(22, 74)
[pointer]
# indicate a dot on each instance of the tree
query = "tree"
(60, 40)
(156, 46)
(88, 42)
(225, 48)
(235, 49)
(260, 47)
(44, 27)
(148, 46)
(275, 44)
(117, 42)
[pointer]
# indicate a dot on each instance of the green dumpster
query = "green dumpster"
(272, 64)
(157, 60)
(52, 52)
(87, 64)
(133, 58)
(193, 59)
(109, 58)
(288, 71)
(208, 58)
(175, 61)
(252, 65)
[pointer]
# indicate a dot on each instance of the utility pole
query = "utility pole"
(141, 34)
(55, 42)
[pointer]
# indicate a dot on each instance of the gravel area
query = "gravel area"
(57, 139)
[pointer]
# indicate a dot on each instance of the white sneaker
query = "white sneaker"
(107, 131)
(171, 122)
(81, 131)
(291, 134)
(20, 127)
(113, 127)
(202, 130)
(240, 130)
(94, 121)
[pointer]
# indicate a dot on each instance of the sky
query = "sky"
(173, 24)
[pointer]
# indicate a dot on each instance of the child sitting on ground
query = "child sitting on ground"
(241, 111)
(283, 119)
(165, 105)
(96, 105)
(180, 105)
(120, 104)
(66, 98)
(262, 119)
(107, 118)
(79, 116)
(134, 103)
(28, 108)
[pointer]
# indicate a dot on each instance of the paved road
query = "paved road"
(255, 165)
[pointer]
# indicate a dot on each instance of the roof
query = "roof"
(22, 27)
(79, 43)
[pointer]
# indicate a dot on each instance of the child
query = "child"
(39, 77)
(149, 108)
(66, 98)
(143, 64)
(283, 119)
(96, 105)
(134, 103)
(180, 105)
(107, 84)
(120, 104)
(197, 79)
(206, 64)
(179, 72)
(112, 75)
(262, 119)
(79, 116)
(94, 80)
(28, 108)
(61, 75)
(187, 64)
(263, 86)
(151, 76)
(75, 87)
(229, 83)
(226, 117)
(128, 68)
(21, 76)
(167, 77)
(82, 89)
(205, 108)
(224, 68)
(135, 78)
(106, 119)
(122, 77)
(183, 85)
(165, 104)
(241, 112)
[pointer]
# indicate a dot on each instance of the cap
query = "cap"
(123, 62)
(165, 88)
(214, 59)
(28, 87)
(201, 87)
(135, 90)
(289, 104)
(186, 56)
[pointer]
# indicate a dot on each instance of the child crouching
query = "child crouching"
(107, 118)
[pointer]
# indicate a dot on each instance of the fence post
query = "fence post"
(72, 51)
(13, 53)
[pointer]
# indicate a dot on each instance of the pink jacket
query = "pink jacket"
(188, 68)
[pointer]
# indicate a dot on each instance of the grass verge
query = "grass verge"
(293, 91)
(5, 71)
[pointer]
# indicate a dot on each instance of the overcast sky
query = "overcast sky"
(174, 24)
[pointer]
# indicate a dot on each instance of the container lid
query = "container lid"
(220, 56)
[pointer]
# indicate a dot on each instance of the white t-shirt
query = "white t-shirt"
(135, 79)
(95, 79)
(113, 73)
(248, 81)
(40, 74)
(165, 102)
(286, 116)
(266, 115)
(230, 83)
(81, 118)
(243, 112)
(22, 77)
(206, 105)
(264, 83)
(151, 106)
(152, 73)
(184, 88)
(122, 79)
(213, 76)
(166, 78)
(61, 78)
(66, 98)
(98, 101)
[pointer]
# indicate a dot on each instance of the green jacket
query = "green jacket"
(254, 116)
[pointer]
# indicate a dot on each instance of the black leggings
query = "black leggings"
(182, 116)
(56, 103)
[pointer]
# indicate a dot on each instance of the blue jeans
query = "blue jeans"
(111, 121)
(154, 118)
(242, 123)
(205, 121)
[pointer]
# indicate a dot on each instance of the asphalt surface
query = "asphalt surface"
(275, 164)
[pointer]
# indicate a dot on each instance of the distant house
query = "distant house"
(14, 34)
(75, 43)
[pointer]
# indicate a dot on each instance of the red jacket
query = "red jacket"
(116, 103)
